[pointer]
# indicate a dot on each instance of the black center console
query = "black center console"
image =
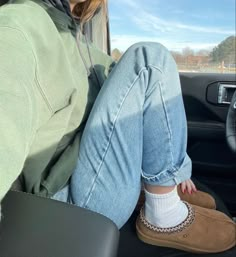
(33, 226)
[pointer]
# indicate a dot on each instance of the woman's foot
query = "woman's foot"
(165, 210)
(195, 197)
(198, 198)
(165, 220)
(203, 231)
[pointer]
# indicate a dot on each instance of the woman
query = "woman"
(48, 88)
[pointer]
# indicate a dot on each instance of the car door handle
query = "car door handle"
(225, 93)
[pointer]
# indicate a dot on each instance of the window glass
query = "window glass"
(200, 34)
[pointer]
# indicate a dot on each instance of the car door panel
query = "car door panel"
(213, 163)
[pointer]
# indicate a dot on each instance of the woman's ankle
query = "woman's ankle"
(165, 210)
(158, 189)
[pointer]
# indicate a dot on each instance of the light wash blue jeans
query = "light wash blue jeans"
(136, 131)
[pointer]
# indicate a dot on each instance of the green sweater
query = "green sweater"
(44, 99)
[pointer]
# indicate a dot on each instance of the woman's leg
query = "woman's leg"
(137, 127)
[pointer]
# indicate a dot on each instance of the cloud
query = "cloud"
(154, 24)
(149, 24)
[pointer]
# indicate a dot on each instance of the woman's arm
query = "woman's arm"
(17, 104)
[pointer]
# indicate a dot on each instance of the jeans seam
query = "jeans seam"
(167, 119)
(174, 169)
(168, 124)
(111, 133)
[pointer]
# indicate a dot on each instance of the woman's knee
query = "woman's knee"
(153, 54)
(153, 47)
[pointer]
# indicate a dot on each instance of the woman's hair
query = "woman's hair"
(84, 11)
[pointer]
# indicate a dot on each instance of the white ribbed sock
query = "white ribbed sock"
(165, 210)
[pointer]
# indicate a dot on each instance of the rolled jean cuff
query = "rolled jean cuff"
(171, 178)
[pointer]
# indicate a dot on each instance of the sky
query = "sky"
(177, 24)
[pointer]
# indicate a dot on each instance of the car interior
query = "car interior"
(33, 226)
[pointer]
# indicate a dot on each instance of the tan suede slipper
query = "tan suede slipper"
(198, 198)
(203, 231)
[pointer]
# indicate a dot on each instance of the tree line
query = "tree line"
(224, 52)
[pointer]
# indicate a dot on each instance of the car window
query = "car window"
(200, 34)
(97, 31)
